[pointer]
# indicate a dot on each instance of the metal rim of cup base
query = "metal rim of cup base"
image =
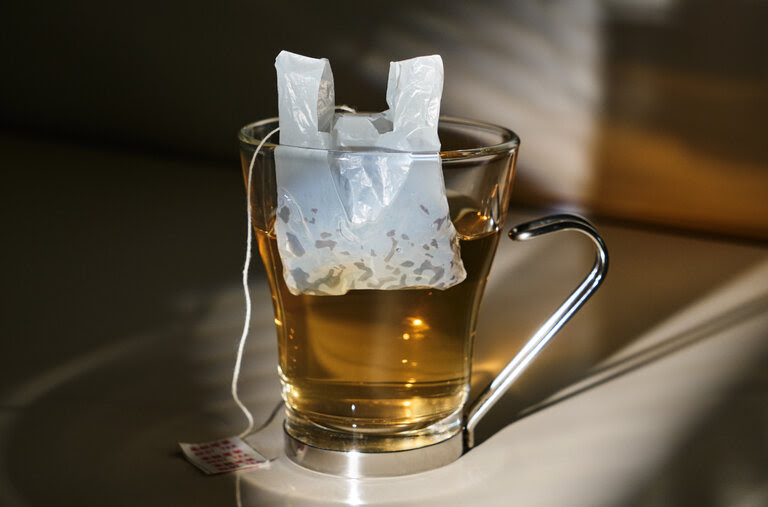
(357, 465)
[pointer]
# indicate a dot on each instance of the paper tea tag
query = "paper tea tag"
(361, 200)
(220, 456)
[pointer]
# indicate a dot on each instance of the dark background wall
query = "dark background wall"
(651, 111)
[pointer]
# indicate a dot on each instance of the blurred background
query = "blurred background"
(123, 213)
(653, 111)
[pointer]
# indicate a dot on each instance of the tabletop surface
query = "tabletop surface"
(124, 310)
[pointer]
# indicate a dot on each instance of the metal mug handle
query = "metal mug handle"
(544, 334)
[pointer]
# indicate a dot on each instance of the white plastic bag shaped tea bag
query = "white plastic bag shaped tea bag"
(361, 200)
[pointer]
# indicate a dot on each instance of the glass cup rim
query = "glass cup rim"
(512, 140)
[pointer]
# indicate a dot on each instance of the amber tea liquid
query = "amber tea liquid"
(380, 370)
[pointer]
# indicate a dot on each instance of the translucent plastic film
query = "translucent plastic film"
(361, 197)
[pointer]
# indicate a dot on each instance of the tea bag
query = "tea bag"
(361, 200)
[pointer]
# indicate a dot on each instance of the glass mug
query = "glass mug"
(375, 382)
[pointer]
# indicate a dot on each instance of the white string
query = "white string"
(246, 266)
(238, 492)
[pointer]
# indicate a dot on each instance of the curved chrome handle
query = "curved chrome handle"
(520, 362)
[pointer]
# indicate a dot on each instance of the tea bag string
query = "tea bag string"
(246, 267)
(246, 291)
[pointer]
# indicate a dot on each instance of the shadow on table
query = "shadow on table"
(124, 273)
(724, 459)
(652, 278)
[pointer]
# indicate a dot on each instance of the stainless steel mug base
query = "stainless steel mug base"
(356, 465)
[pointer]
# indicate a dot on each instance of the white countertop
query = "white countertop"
(124, 314)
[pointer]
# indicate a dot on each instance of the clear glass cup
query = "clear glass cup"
(376, 371)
